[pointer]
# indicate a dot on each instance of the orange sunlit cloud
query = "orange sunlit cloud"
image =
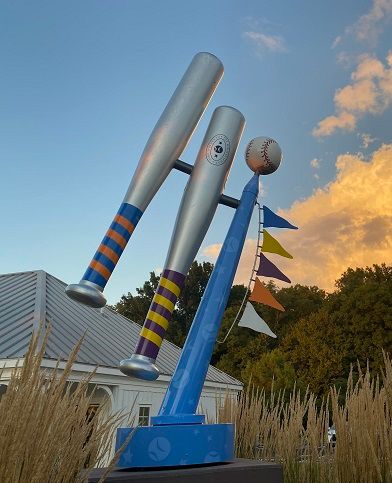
(348, 223)
(369, 93)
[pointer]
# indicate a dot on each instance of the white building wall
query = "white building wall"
(129, 398)
(127, 395)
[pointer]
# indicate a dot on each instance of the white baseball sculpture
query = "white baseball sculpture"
(263, 155)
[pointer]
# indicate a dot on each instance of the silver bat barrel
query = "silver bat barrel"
(197, 209)
(166, 143)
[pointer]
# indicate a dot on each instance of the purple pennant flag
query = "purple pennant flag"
(268, 269)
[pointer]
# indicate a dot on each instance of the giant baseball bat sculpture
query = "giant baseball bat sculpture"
(197, 209)
(179, 435)
(166, 143)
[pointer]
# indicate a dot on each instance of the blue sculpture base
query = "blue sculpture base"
(176, 445)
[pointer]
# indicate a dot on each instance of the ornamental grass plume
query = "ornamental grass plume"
(295, 433)
(364, 428)
(45, 433)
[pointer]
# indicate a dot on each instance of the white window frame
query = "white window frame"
(141, 417)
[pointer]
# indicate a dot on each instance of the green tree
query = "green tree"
(244, 345)
(299, 301)
(272, 369)
(362, 309)
(135, 307)
(241, 346)
(237, 294)
(310, 346)
(188, 301)
(319, 336)
(353, 325)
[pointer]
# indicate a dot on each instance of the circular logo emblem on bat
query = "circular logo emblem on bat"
(218, 149)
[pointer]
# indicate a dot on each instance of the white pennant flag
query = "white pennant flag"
(252, 320)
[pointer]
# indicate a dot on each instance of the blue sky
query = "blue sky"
(83, 83)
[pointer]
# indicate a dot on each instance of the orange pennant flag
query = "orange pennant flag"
(262, 295)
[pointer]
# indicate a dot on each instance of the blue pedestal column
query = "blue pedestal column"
(183, 394)
(177, 434)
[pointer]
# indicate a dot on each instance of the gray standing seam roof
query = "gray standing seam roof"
(27, 298)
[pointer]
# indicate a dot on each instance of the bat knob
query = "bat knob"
(87, 293)
(141, 367)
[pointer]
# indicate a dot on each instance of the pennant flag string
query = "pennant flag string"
(268, 269)
(261, 294)
(252, 320)
(273, 220)
(251, 279)
(271, 245)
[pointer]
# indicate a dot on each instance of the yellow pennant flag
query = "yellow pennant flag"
(262, 295)
(271, 245)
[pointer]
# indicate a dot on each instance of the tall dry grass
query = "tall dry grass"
(295, 433)
(45, 436)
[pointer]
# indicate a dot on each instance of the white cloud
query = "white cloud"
(347, 59)
(348, 223)
(336, 42)
(369, 26)
(212, 251)
(266, 43)
(366, 140)
(370, 92)
(315, 163)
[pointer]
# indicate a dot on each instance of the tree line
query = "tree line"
(320, 336)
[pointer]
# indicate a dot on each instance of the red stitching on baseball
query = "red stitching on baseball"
(264, 151)
(248, 149)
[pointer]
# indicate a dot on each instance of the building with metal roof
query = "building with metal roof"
(28, 299)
